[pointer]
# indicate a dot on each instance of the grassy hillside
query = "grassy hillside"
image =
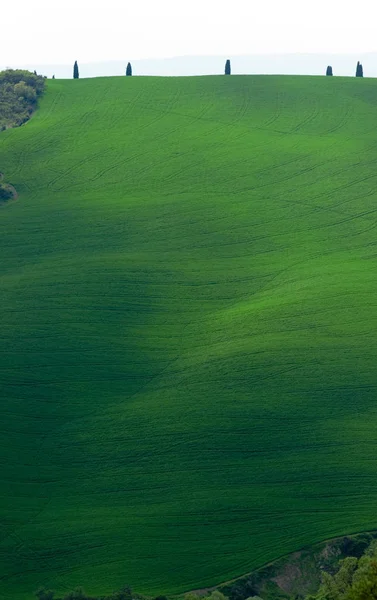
(188, 329)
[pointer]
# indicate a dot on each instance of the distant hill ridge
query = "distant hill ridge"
(285, 64)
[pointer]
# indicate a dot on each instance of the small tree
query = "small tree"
(227, 67)
(5, 193)
(129, 70)
(359, 70)
(75, 70)
(364, 585)
(329, 72)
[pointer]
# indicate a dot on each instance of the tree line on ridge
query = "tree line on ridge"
(228, 70)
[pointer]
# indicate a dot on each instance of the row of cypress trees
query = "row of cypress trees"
(329, 71)
(76, 73)
(359, 70)
(228, 70)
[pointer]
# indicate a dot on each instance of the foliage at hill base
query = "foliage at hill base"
(354, 579)
(341, 569)
(125, 594)
(79, 594)
(299, 574)
(19, 93)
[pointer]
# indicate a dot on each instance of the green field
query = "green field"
(188, 287)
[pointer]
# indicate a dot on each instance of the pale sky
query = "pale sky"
(56, 31)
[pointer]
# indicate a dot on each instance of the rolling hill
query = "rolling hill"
(188, 329)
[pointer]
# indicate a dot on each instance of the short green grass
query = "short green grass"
(188, 376)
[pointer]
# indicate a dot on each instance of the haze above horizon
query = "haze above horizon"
(60, 33)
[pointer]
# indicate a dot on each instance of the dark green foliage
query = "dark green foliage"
(357, 545)
(75, 70)
(356, 579)
(124, 594)
(301, 572)
(364, 586)
(335, 586)
(19, 91)
(13, 76)
(359, 70)
(129, 70)
(43, 594)
(5, 192)
(329, 72)
(227, 67)
(79, 594)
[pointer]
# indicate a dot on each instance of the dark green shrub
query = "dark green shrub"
(19, 91)
(43, 594)
(5, 193)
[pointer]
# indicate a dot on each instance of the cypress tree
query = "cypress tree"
(329, 72)
(227, 67)
(359, 70)
(129, 70)
(75, 70)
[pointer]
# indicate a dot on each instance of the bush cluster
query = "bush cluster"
(353, 579)
(5, 193)
(124, 594)
(356, 579)
(19, 92)
(79, 594)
